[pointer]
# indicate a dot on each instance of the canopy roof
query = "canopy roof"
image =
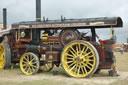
(4, 32)
(103, 22)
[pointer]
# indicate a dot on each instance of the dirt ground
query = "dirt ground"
(16, 77)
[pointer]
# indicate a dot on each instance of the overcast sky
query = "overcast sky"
(24, 10)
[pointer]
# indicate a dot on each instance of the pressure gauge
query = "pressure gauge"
(23, 34)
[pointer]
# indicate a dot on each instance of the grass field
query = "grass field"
(16, 77)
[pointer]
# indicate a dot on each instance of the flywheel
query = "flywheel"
(68, 35)
(29, 63)
(80, 59)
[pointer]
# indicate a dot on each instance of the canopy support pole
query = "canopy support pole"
(93, 34)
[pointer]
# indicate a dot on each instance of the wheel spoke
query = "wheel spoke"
(72, 53)
(25, 68)
(89, 56)
(32, 59)
(82, 69)
(69, 58)
(77, 50)
(90, 64)
(69, 62)
(88, 60)
(87, 66)
(24, 65)
(34, 66)
(26, 58)
(25, 62)
(88, 53)
(85, 69)
(86, 50)
(72, 64)
(79, 47)
(82, 50)
(33, 69)
(28, 69)
(34, 62)
(72, 68)
(73, 49)
(78, 70)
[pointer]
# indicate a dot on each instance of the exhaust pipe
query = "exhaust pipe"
(38, 10)
(4, 18)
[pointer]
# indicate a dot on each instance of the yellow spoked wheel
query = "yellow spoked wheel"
(29, 63)
(80, 59)
(5, 55)
(46, 66)
(2, 56)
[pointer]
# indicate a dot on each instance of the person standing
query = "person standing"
(121, 50)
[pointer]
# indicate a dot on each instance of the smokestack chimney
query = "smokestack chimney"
(4, 18)
(38, 10)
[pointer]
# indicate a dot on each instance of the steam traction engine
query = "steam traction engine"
(39, 45)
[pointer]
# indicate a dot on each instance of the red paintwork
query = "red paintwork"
(103, 43)
(25, 40)
(18, 43)
(102, 47)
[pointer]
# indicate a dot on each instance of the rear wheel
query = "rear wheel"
(80, 59)
(5, 55)
(29, 63)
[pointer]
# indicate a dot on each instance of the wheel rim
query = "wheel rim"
(47, 66)
(78, 59)
(29, 63)
(2, 57)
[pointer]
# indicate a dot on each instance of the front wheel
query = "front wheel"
(29, 63)
(80, 59)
